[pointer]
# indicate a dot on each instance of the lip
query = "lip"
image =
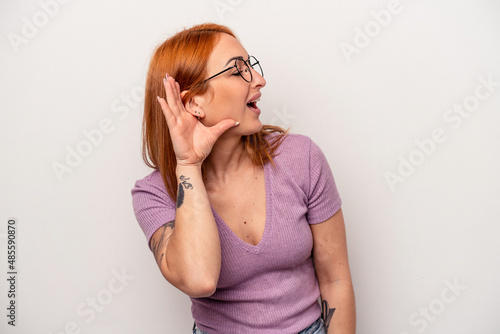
(253, 98)
(255, 110)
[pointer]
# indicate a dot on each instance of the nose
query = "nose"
(258, 80)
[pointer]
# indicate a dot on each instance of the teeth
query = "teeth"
(255, 100)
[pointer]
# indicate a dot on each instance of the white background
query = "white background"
(85, 64)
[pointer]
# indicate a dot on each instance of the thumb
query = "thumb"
(218, 129)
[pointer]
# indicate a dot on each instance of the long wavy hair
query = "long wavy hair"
(185, 56)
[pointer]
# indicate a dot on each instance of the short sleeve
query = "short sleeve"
(323, 197)
(152, 205)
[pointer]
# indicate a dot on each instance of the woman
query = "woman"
(245, 219)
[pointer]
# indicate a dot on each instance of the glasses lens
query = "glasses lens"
(244, 70)
(254, 63)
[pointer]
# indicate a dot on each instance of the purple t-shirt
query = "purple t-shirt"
(270, 287)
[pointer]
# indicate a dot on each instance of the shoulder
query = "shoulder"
(296, 139)
(292, 160)
(153, 178)
(150, 189)
(298, 150)
(295, 145)
(152, 181)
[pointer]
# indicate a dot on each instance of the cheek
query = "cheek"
(226, 102)
(221, 107)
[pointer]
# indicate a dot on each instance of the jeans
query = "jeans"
(316, 328)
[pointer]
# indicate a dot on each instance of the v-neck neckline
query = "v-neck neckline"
(267, 225)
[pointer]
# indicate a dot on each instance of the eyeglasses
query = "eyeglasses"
(243, 68)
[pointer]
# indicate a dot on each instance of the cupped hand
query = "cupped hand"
(192, 141)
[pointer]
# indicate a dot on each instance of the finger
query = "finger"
(171, 99)
(173, 95)
(178, 87)
(179, 96)
(218, 129)
(168, 90)
(167, 112)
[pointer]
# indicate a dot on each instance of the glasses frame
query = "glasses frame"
(247, 63)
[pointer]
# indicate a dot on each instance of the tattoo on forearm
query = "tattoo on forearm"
(326, 313)
(180, 192)
(158, 244)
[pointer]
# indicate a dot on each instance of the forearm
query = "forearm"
(193, 251)
(339, 296)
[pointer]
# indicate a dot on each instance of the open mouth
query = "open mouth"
(253, 104)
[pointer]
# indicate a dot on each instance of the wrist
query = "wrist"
(188, 166)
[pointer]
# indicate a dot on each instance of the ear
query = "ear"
(194, 105)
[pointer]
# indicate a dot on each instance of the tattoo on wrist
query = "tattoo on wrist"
(326, 313)
(180, 193)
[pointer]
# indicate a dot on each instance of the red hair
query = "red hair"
(184, 56)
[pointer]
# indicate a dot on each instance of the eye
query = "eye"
(237, 71)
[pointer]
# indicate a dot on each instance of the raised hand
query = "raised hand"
(192, 141)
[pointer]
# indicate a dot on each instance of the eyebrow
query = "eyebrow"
(233, 58)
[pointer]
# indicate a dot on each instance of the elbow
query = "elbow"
(195, 287)
(200, 283)
(193, 282)
(200, 289)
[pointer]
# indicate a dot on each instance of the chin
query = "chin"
(248, 131)
(254, 128)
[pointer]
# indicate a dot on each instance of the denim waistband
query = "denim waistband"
(315, 328)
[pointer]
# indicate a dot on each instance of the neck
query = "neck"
(228, 157)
